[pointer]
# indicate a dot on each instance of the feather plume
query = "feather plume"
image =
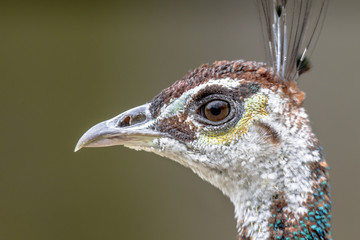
(291, 29)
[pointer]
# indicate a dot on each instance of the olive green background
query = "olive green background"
(65, 66)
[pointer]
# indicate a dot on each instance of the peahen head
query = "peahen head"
(242, 128)
(220, 120)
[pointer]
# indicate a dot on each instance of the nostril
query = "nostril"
(132, 120)
(137, 119)
(125, 122)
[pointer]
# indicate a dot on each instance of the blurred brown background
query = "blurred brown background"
(66, 66)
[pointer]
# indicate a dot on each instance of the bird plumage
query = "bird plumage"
(291, 29)
(239, 125)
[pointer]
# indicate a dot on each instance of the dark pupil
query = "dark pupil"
(216, 110)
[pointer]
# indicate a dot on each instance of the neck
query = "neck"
(288, 199)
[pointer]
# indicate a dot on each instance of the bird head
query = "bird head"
(220, 120)
(241, 126)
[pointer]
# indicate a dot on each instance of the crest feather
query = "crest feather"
(291, 29)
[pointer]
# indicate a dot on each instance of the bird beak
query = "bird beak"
(132, 128)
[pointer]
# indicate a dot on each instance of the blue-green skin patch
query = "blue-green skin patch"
(315, 225)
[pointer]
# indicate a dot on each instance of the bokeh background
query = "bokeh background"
(67, 65)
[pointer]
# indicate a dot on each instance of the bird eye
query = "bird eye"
(216, 110)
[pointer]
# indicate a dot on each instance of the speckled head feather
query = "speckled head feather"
(240, 126)
(253, 72)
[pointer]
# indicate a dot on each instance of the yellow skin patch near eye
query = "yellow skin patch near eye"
(254, 109)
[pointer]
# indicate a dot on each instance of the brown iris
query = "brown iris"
(216, 110)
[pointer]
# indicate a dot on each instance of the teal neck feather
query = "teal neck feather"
(314, 224)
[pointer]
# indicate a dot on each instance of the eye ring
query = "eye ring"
(200, 117)
(215, 110)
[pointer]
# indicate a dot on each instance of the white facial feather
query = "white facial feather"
(178, 104)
